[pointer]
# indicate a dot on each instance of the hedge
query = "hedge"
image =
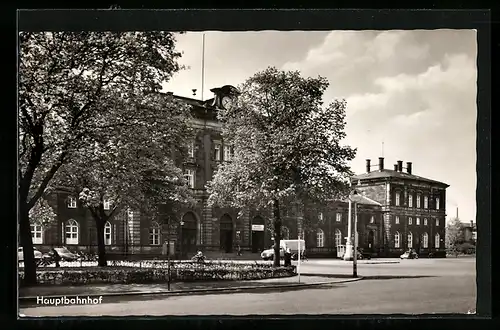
(157, 272)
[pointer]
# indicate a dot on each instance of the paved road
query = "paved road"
(411, 287)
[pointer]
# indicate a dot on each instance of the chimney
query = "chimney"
(400, 165)
(381, 163)
(408, 167)
(395, 167)
(472, 224)
(367, 166)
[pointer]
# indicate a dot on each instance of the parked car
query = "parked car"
(411, 254)
(361, 255)
(64, 253)
(292, 244)
(20, 254)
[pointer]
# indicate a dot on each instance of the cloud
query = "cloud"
(410, 95)
(413, 90)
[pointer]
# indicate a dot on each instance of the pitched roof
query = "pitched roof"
(360, 199)
(394, 174)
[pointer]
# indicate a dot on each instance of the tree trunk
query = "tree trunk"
(101, 249)
(27, 244)
(277, 232)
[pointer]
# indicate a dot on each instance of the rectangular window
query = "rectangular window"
(418, 221)
(410, 220)
(396, 221)
(217, 148)
(320, 217)
(426, 202)
(227, 153)
(191, 149)
(410, 201)
(189, 176)
(71, 202)
(372, 219)
(425, 221)
(437, 222)
(397, 199)
(425, 240)
(338, 217)
(437, 241)
(36, 234)
(106, 204)
(437, 203)
(418, 201)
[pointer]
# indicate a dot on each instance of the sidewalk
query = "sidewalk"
(31, 293)
(343, 262)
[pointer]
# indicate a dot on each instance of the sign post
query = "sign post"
(298, 257)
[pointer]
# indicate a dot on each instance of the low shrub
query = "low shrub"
(157, 272)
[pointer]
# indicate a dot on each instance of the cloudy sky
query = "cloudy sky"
(412, 92)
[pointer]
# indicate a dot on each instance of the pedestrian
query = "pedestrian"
(288, 257)
(56, 257)
(239, 250)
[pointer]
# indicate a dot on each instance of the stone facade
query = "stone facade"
(221, 231)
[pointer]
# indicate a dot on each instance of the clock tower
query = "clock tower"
(225, 96)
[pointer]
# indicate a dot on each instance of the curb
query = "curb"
(196, 291)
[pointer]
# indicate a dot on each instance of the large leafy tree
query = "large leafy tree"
(132, 163)
(455, 235)
(287, 146)
(66, 81)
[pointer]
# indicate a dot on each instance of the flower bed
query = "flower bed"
(126, 272)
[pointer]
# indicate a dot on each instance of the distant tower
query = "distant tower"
(194, 91)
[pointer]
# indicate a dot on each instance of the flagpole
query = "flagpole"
(203, 66)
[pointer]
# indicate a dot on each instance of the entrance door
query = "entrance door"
(226, 234)
(257, 234)
(257, 241)
(189, 240)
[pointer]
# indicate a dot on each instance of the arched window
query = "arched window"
(154, 234)
(71, 232)
(410, 240)
(397, 240)
(338, 237)
(285, 232)
(107, 233)
(437, 241)
(320, 238)
(37, 233)
(425, 240)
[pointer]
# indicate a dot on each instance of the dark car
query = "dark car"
(64, 253)
(362, 255)
(411, 254)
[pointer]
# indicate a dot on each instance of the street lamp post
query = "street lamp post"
(355, 257)
(348, 245)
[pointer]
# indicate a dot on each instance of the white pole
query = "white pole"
(298, 264)
(355, 257)
(203, 66)
(348, 245)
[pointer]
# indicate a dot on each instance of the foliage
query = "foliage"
(42, 213)
(157, 272)
(455, 234)
(287, 145)
(71, 86)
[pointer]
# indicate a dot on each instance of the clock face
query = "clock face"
(227, 102)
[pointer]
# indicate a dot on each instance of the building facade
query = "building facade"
(396, 210)
(413, 207)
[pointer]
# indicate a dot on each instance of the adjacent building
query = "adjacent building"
(396, 210)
